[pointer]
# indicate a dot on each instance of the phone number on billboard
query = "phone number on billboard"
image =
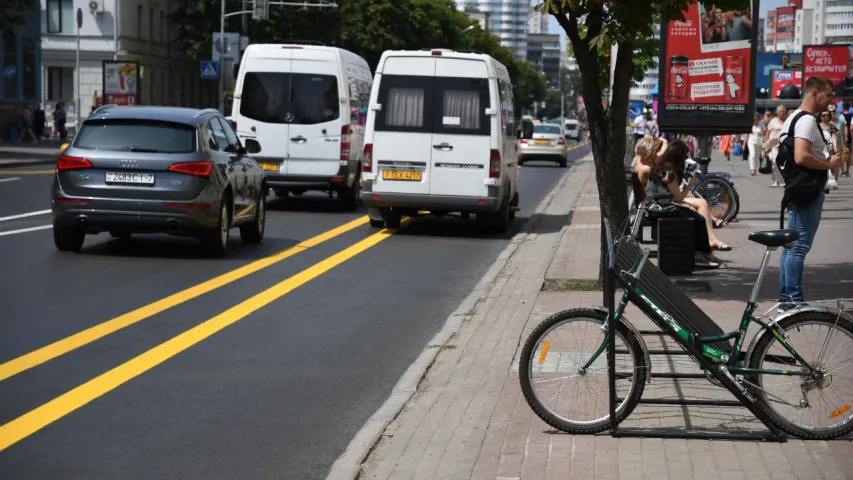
(682, 107)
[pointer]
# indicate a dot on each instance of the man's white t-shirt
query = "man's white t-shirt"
(807, 129)
(640, 126)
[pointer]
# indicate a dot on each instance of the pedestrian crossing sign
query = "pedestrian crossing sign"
(209, 70)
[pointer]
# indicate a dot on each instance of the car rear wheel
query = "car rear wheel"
(216, 239)
(254, 232)
(68, 239)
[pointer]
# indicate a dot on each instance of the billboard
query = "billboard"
(830, 61)
(707, 70)
(780, 78)
(120, 82)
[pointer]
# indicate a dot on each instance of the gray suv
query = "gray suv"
(146, 169)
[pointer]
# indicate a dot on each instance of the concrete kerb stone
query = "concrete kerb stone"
(26, 162)
(348, 465)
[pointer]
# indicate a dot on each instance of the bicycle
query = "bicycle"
(718, 189)
(749, 375)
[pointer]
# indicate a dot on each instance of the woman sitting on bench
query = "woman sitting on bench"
(666, 177)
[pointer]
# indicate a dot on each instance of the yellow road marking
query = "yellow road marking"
(67, 344)
(35, 420)
(27, 172)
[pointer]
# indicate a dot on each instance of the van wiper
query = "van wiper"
(144, 150)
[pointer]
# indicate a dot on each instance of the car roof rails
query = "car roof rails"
(102, 109)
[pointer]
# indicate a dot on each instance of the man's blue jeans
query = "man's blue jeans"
(805, 219)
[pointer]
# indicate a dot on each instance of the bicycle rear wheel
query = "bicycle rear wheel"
(556, 387)
(814, 408)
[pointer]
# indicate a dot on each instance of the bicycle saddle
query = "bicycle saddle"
(702, 160)
(775, 238)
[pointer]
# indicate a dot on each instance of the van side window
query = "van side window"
(405, 107)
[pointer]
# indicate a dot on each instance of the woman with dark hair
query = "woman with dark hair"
(667, 178)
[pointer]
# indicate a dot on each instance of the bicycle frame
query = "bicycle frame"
(731, 359)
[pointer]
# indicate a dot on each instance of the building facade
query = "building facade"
(543, 52)
(508, 20)
(20, 57)
(780, 28)
(131, 30)
(825, 21)
(538, 22)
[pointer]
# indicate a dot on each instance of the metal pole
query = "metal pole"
(115, 28)
(221, 100)
(77, 96)
(704, 151)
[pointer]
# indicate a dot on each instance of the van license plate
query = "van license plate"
(130, 177)
(404, 175)
(269, 167)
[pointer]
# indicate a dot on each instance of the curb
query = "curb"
(348, 465)
(30, 161)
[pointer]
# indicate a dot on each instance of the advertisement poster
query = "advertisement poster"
(780, 78)
(121, 82)
(707, 70)
(830, 61)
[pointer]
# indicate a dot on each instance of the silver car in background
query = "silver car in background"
(143, 169)
(548, 143)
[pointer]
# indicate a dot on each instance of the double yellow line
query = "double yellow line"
(31, 422)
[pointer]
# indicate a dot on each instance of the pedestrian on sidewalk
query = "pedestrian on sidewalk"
(754, 143)
(810, 155)
(848, 125)
(771, 147)
(27, 125)
(830, 132)
(726, 145)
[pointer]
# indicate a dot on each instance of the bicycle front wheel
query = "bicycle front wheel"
(814, 407)
(721, 197)
(560, 390)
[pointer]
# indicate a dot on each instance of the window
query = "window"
(299, 98)
(546, 128)
(60, 16)
(218, 133)
(230, 136)
(60, 84)
(405, 107)
(463, 103)
(125, 135)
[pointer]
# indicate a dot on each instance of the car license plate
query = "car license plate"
(542, 142)
(270, 167)
(135, 178)
(404, 175)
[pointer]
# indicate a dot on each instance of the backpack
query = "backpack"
(802, 185)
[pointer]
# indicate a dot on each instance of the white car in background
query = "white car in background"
(548, 143)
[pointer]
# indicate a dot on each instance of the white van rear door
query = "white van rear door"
(461, 129)
(402, 138)
(315, 112)
(264, 103)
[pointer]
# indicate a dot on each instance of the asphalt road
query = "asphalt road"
(111, 368)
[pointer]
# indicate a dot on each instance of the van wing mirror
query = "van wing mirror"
(491, 111)
(376, 107)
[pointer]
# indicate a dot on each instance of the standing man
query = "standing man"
(809, 145)
(641, 126)
(771, 147)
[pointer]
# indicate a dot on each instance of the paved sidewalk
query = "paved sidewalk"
(21, 154)
(468, 418)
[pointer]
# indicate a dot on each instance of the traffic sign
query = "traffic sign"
(209, 70)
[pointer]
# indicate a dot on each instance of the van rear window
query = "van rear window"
(296, 98)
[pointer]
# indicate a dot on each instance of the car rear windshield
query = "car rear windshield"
(546, 129)
(139, 135)
(282, 97)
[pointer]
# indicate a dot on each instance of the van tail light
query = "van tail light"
(198, 169)
(367, 161)
(495, 164)
(345, 142)
(561, 141)
(522, 141)
(67, 162)
(234, 125)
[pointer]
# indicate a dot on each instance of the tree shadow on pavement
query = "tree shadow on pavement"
(310, 203)
(450, 226)
(820, 281)
(169, 247)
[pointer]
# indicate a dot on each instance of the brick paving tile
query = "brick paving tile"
(469, 419)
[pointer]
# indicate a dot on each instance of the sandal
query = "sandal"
(722, 247)
(720, 224)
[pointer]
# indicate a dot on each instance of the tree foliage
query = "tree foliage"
(365, 27)
(13, 14)
(593, 27)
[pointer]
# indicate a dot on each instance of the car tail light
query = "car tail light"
(523, 141)
(367, 161)
(345, 132)
(67, 162)
(199, 169)
(234, 125)
(561, 141)
(495, 164)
